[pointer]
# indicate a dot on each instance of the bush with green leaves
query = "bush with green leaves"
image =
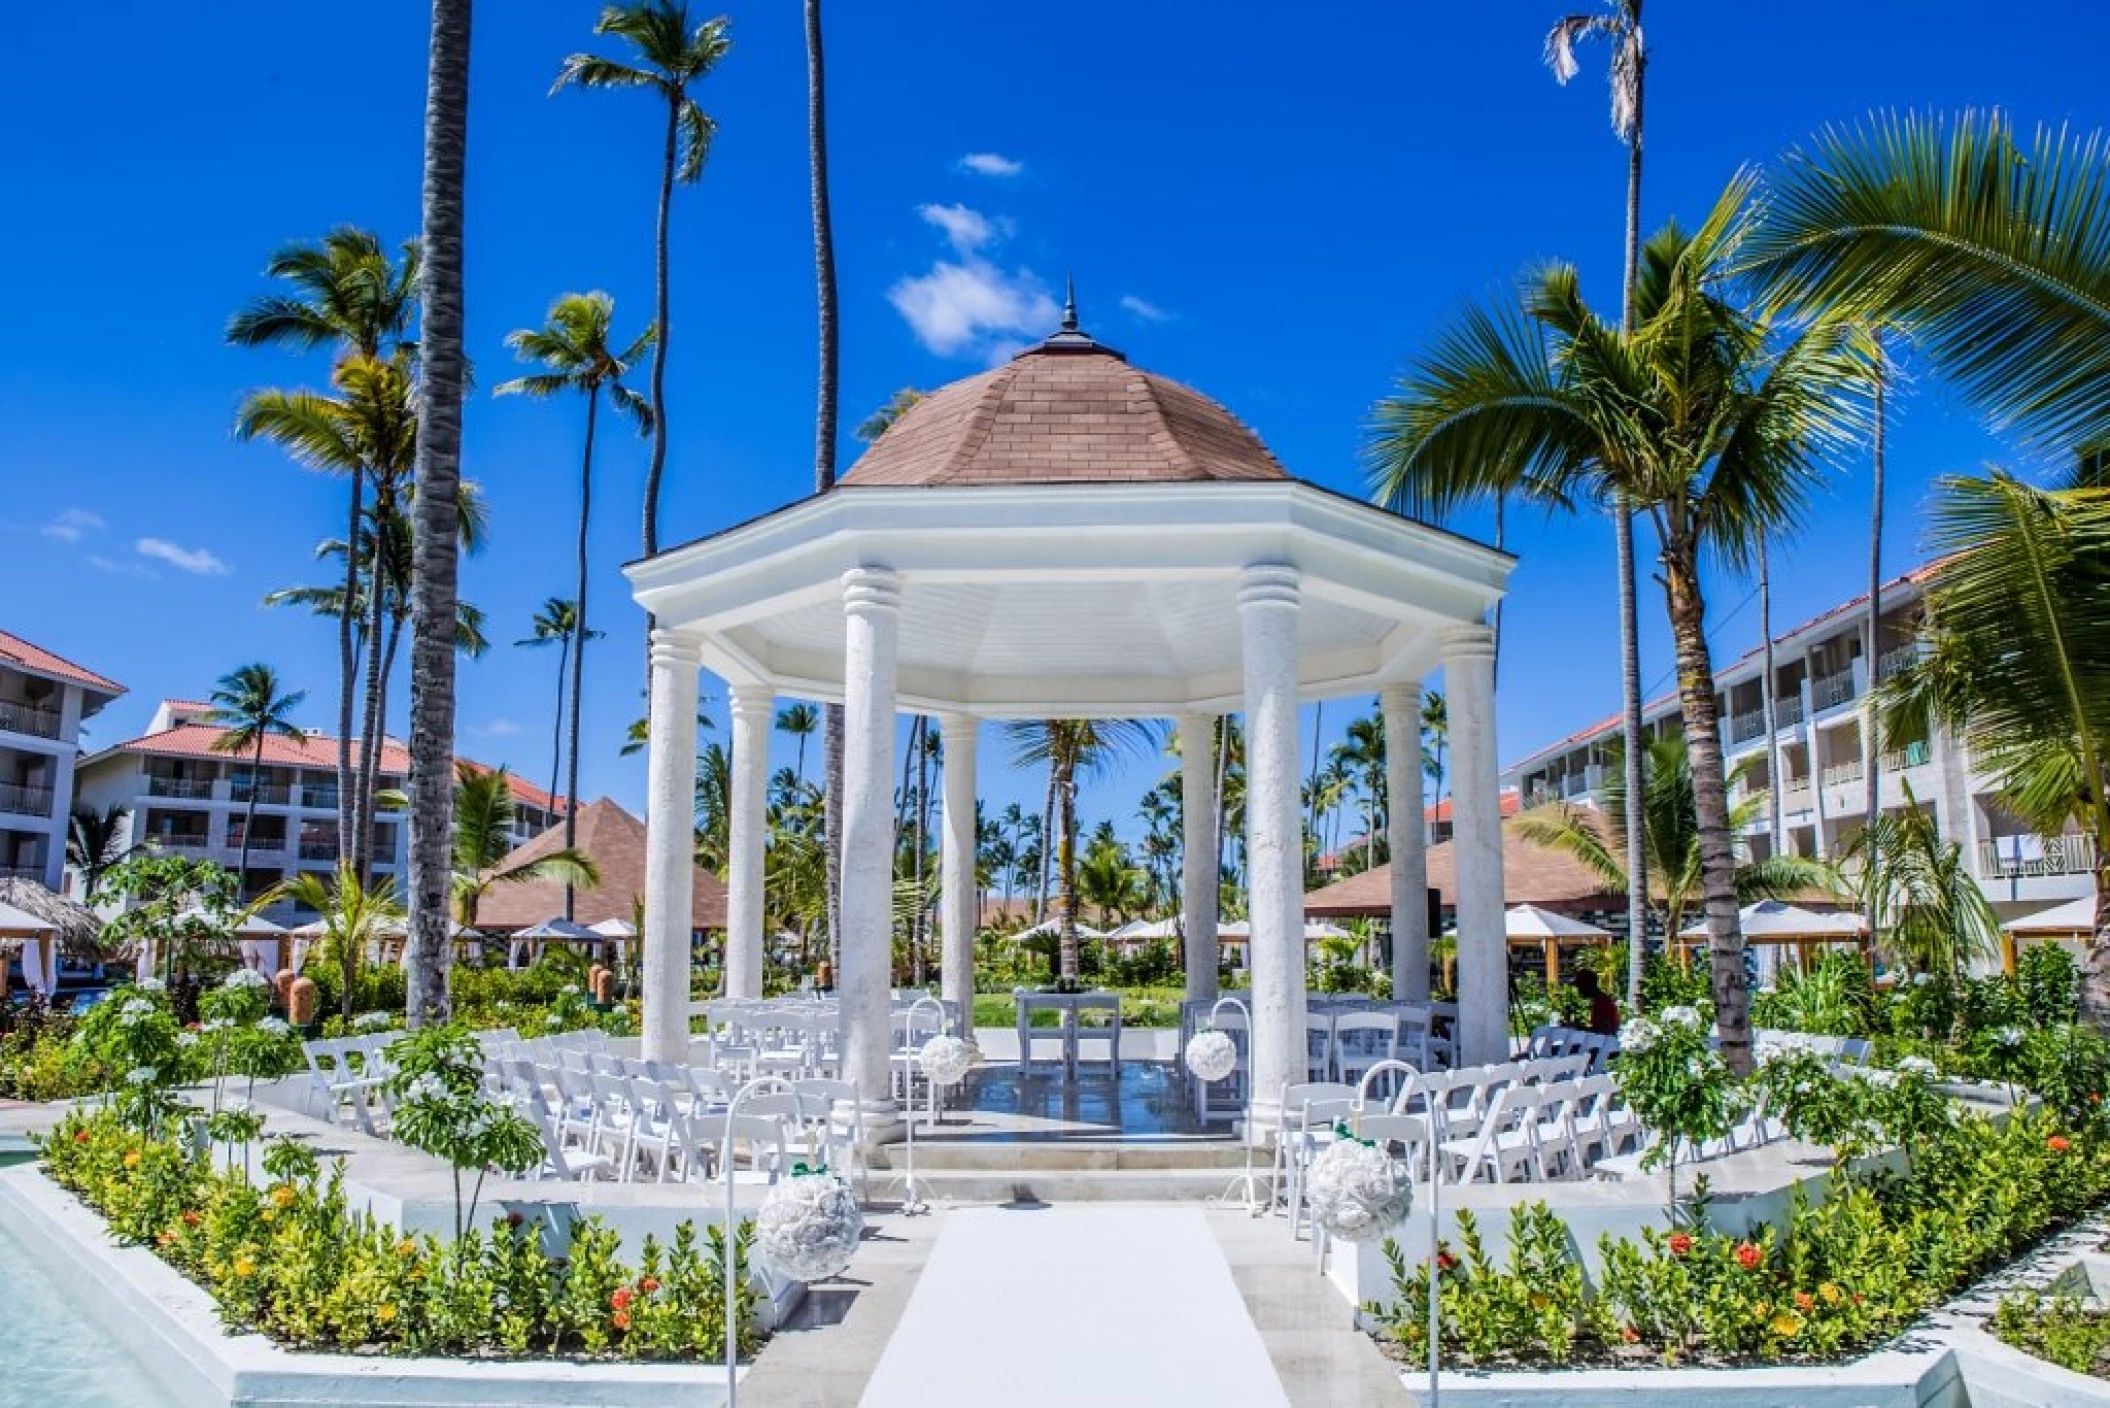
(1673, 1078)
(2056, 1328)
(436, 1083)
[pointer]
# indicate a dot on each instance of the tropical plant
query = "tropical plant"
(1071, 749)
(557, 623)
(1619, 24)
(436, 1084)
(250, 709)
(669, 57)
(1671, 837)
(171, 903)
(347, 293)
(882, 420)
(801, 721)
(441, 383)
(95, 841)
(483, 836)
(1436, 733)
(1705, 416)
(353, 915)
(574, 350)
(1930, 914)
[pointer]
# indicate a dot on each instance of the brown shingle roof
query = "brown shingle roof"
(616, 842)
(1530, 875)
(1064, 413)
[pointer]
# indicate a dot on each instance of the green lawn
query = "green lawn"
(1140, 1007)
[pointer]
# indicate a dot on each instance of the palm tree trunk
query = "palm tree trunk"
(1765, 695)
(919, 932)
(437, 521)
(658, 464)
(578, 656)
(1871, 754)
(256, 768)
(800, 770)
(1629, 618)
(388, 673)
(1688, 620)
(370, 724)
(347, 664)
(1066, 878)
(824, 420)
(556, 730)
(1047, 844)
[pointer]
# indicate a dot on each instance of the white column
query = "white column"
(748, 829)
(871, 610)
(1406, 838)
(1476, 842)
(670, 846)
(961, 895)
(1200, 884)
(1267, 615)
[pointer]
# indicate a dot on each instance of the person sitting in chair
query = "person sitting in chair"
(1604, 1008)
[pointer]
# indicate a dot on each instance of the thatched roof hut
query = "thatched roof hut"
(80, 929)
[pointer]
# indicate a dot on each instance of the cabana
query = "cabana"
(1778, 923)
(1527, 924)
(2072, 923)
(51, 925)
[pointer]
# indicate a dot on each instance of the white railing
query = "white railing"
(1828, 690)
(2011, 857)
(1787, 709)
(172, 841)
(1745, 727)
(37, 720)
(1896, 658)
(1912, 755)
(1839, 773)
(1795, 794)
(20, 800)
(195, 788)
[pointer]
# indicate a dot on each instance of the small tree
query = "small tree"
(1677, 1083)
(172, 902)
(436, 1082)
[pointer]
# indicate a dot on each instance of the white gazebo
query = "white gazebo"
(1068, 536)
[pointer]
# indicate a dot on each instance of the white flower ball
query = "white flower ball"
(1357, 1191)
(945, 1060)
(808, 1227)
(1211, 1055)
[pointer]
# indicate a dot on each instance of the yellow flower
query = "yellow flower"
(283, 1195)
(131, 1158)
(384, 1312)
(406, 1247)
(1760, 1311)
(1787, 1324)
(269, 1214)
(1829, 1293)
(244, 1266)
(1540, 1300)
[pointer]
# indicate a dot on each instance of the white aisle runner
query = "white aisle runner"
(1060, 1306)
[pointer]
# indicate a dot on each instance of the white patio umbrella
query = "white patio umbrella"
(1528, 921)
(2074, 919)
(1051, 927)
(614, 928)
(1777, 921)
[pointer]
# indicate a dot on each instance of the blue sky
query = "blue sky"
(1275, 205)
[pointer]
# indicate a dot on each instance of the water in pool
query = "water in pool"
(53, 1356)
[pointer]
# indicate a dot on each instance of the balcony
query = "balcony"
(19, 800)
(1896, 658)
(1795, 795)
(1839, 774)
(22, 872)
(269, 794)
(1745, 727)
(1787, 709)
(318, 850)
(2013, 857)
(1912, 755)
(1829, 691)
(197, 789)
(36, 720)
(258, 845)
(181, 841)
(322, 799)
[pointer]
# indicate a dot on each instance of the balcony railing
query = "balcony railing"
(1838, 774)
(2012, 857)
(19, 800)
(37, 720)
(270, 794)
(1745, 727)
(1912, 755)
(182, 840)
(322, 799)
(1795, 794)
(1787, 709)
(258, 845)
(196, 788)
(318, 850)
(1829, 690)
(21, 872)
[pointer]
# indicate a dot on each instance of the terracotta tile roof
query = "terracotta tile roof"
(616, 841)
(526, 793)
(312, 750)
(1064, 413)
(1441, 811)
(22, 655)
(1530, 875)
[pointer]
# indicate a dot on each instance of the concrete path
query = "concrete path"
(1055, 1306)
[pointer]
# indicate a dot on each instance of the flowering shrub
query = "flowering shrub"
(1841, 1276)
(2060, 1329)
(289, 1259)
(1676, 1083)
(436, 1081)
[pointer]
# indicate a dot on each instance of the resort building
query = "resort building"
(1816, 752)
(43, 699)
(184, 795)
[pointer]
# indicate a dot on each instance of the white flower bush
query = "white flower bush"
(1211, 1055)
(945, 1060)
(1918, 1066)
(1357, 1191)
(372, 1021)
(246, 978)
(808, 1227)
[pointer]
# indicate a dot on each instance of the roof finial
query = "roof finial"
(1069, 303)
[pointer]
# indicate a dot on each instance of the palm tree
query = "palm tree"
(1620, 25)
(1932, 914)
(250, 709)
(95, 843)
(557, 623)
(1436, 728)
(1071, 749)
(800, 721)
(574, 350)
(1670, 837)
(483, 836)
(670, 57)
(353, 915)
(346, 293)
(882, 420)
(1703, 416)
(2015, 660)
(714, 808)
(437, 547)
(1361, 753)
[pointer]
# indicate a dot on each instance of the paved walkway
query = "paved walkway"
(1056, 1306)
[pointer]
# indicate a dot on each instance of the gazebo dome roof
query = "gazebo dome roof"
(1068, 411)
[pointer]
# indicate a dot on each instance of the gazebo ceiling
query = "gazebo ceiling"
(1071, 534)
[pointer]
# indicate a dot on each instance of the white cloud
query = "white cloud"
(990, 164)
(1142, 309)
(497, 728)
(967, 230)
(73, 524)
(119, 568)
(199, 562)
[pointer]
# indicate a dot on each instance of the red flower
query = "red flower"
(1680, 1243)
(1445, 1261)
(190, 1219)
(1804, 1300)
(80, 1136)
(2058, 1143)
(1629, 1335)
(621, 1319)
(512, 1219)
(621, 1298)
(649, 1285)
(1749, 1256)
